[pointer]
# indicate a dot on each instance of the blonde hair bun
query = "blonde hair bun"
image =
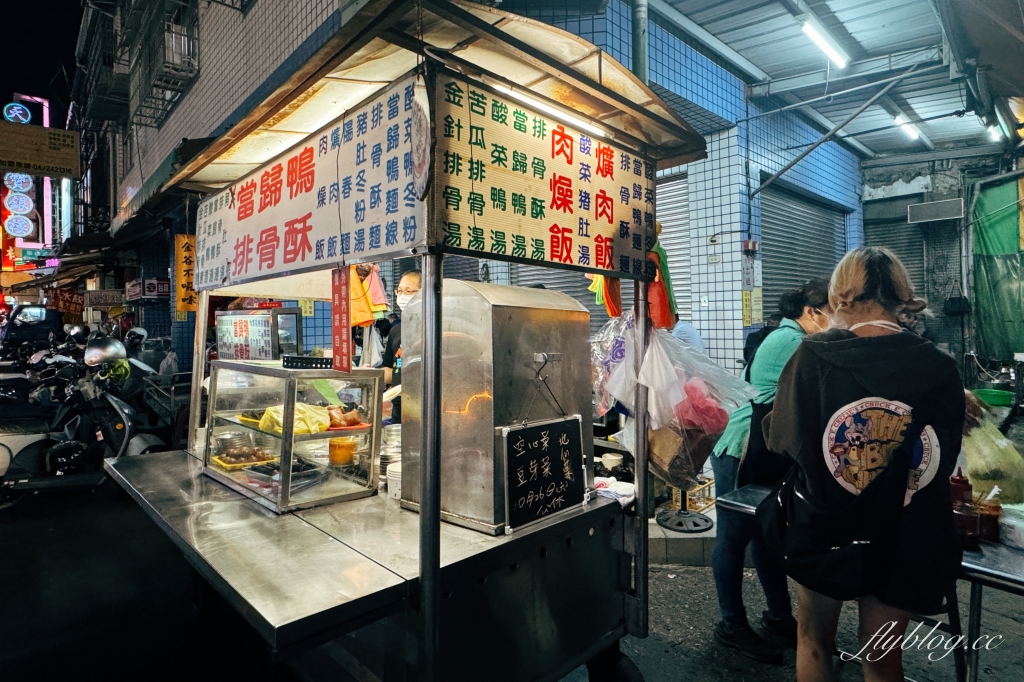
(873, 274)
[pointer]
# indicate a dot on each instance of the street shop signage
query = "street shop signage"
(36, 150)
(184, 262)
(147, 288)
(350, 191)
(104, 298)
(514, 184)
(66, 301)
(544, 470)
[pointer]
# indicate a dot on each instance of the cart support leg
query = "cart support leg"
(198, 365)
(636, 603)
(430, 467)
(973, 631)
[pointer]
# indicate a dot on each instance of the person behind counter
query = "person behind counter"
(805, 311)
(408, 286)
(861, 516)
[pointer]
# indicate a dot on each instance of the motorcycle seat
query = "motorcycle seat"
(23, 427)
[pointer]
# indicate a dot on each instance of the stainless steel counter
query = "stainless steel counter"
(299, 576)
(382, 530)
(288, 579)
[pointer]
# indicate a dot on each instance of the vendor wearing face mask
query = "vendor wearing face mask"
(392, 363)
(805, 311)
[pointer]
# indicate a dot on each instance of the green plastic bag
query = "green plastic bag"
(992, 460)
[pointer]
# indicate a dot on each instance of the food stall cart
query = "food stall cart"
(433, 127)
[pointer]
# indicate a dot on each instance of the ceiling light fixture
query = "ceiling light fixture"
(817, 32)
(550, 110)
(907, 127)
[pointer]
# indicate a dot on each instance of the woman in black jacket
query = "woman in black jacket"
(844, 403)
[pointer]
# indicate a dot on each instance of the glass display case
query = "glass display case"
(293, 438)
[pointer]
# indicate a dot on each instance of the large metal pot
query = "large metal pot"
(997, 384)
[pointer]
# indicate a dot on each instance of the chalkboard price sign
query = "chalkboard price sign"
(544, 470)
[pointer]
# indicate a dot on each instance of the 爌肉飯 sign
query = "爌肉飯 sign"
(513, 183)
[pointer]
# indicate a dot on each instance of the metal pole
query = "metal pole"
(430, 468)
(636, 613)
(198, 364)
(641, 556)
(860, 110)
(831, 95)
(973, 631)
(640, 51)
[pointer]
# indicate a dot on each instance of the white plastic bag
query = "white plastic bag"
(373, 349)
(169, 365)
(659, 376)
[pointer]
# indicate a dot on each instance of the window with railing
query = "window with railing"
(161, 40)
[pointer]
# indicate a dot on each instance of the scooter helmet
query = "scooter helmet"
(104, 350)
(77, 333)
(135, 337)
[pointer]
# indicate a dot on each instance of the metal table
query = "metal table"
(993, 565)
(307, 577)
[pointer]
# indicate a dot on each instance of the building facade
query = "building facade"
(178, 73)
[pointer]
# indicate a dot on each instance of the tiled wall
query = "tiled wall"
(244, 57)
(316, 330)
(711, 98)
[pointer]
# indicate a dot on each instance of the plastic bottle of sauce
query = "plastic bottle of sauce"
(988, 512)
(960, 487)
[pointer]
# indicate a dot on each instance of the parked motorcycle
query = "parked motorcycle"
(90, 424)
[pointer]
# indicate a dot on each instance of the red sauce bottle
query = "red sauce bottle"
(960, 487)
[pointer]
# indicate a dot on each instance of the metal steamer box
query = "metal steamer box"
(513, 358)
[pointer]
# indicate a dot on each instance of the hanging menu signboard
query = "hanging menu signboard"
(544, 470)
(245, 337)
(351, 191)
(514, 183)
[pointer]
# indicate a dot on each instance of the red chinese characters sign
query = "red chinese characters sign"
(349, 192)
(341, 326)
(67, 301)
(513, 183)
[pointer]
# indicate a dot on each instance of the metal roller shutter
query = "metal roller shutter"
(674, 214)
(800, 239)
(906, 241)
(573, 284)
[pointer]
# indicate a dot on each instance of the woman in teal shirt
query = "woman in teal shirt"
(805, 311)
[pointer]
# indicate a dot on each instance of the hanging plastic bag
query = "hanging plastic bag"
(608, 351)
(169, 365)
(373, 349)
(659, 376)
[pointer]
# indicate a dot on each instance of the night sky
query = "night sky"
(39, 38)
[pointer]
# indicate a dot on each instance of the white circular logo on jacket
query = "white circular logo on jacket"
(861, 437)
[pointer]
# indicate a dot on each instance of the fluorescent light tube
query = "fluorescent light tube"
(995, 133)
(814, 34)
(907, 127)
(550, 110)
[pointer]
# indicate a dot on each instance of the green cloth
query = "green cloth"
(771, 359)
(666, 276)
(999, 298)
(996, 228)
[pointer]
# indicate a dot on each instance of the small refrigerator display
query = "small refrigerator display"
(259, 334)
(293, 438)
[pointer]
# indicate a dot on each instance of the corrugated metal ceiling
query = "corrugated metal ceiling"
(768, 34)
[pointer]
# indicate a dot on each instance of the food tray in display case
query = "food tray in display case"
(293, 438)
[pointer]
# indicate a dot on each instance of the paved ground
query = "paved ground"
(93, 590)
